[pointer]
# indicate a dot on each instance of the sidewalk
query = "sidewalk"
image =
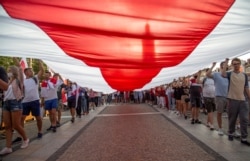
(51, 143)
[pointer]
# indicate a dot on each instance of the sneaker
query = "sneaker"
(25, 144)
(197, 121)
(192, 121)
(5, 151)
(39, 135)
(73, 120)
(230, 137)
(50, 128)
(245, 142)
(208, 124)
(211, 127)
(58, 124)
(220, 132)
(17, 140)
(54, 129)
(236, 134)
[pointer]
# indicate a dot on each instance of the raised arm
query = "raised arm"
(209, 72)
(41, 69)
(20, 74)
(224, 68)
(199, 77)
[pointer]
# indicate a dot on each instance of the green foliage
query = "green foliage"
(8, 61)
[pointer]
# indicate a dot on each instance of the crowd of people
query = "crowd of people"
(225, 89)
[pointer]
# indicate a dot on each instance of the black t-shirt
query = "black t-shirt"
(59, 91)
(3, 75)
(195, 90)
(185, 90)
(177, 93)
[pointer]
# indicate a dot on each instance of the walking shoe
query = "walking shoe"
(17, 140)
(73, 120)
(192, 121)
(58, 124)
(236, 134)
(50, 128)
(25, 144)
(230, 137)
(54, 129)
(5, 151)
(245, 142)
(197, 121)
(220, 132)
(39, 135)
(208, 124)
(211, 127)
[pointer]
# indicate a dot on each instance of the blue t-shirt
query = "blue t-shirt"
(221, 84)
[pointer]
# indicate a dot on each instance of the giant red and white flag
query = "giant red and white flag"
(125, 44)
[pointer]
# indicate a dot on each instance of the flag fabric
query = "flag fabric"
(23, 63)
(125, 44)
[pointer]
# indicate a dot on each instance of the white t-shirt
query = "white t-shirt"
(8, 95)
(208, 88)
(31, 92)
(50, 92)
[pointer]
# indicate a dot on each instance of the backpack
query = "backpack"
(35, 79)
(203, 81)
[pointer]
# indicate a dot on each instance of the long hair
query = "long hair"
(15, 71)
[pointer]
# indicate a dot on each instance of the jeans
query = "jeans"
(12, 105)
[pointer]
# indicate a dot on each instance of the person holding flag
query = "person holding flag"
(12, 109)
(31, 100)
(49, 89)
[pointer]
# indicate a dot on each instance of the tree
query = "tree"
(7, 61)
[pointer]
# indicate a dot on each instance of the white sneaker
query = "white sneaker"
(211, 127)
(25, 144)
(220, 132)
(237, 134)
(5, 151)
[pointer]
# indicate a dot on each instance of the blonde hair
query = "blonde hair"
(15, 71)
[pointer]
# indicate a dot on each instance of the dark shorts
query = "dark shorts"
(51, 104)
(209, 104)
(92, 99)
(72, 102)
(12, 105)
(195, 102)
(33, 107)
